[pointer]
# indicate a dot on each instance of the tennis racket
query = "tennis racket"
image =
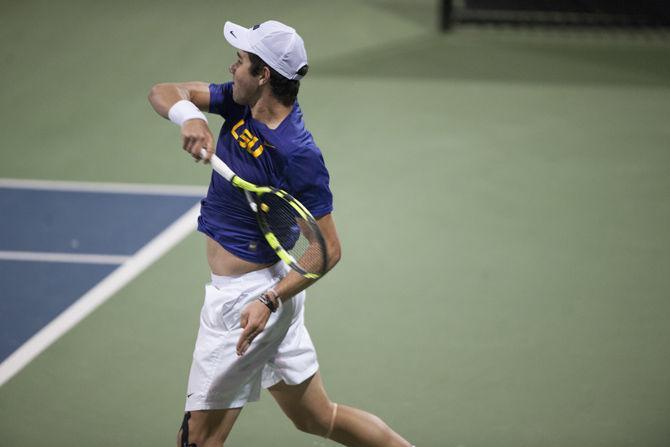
(287, 225)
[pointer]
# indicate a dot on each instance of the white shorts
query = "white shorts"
(283, 351)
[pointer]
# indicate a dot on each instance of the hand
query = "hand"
(195, 135)
(253, 319)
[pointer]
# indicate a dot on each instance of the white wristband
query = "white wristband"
(183, 111)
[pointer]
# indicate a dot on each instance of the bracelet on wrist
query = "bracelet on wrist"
(268, 301)
(272, 293)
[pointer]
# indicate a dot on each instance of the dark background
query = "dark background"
(576, 12)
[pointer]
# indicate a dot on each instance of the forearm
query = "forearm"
(294, 283)
(194, 97)
(164, 96)
(291, 285)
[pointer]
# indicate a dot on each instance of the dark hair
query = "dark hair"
(284, 89)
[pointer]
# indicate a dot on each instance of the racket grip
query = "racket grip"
(218, 165)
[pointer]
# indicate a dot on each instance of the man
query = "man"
(252, 329)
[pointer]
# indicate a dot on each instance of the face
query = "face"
(246, 87)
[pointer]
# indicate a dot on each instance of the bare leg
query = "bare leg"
(308, 406)
(209, 428)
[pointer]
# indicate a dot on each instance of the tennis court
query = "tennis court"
(502, 197)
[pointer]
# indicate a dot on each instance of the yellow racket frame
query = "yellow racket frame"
(219, 166)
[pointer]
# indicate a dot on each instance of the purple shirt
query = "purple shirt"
(285, 157)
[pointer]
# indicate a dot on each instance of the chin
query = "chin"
(236, 96)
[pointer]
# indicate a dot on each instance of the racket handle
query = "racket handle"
(218, 165)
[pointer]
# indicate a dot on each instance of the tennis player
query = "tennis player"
(252, 332)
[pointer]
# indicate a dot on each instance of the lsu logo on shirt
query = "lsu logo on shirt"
(246, 140)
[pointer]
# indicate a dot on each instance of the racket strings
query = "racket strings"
(298, 236)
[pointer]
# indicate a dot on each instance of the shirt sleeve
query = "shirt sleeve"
(221, 100)
(308, 181)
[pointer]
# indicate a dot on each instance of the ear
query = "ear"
(264, 76)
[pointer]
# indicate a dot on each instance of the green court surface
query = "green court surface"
(502, 197)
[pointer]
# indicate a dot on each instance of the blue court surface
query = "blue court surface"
(55, 245)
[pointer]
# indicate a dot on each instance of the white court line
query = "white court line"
(146, 256)
(128, 188)
(76, 258)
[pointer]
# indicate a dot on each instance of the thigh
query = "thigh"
(295, 360)
(304, 402)
(219, 378)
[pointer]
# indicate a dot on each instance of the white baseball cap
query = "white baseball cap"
(278, 45)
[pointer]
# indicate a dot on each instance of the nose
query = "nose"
(231, 69)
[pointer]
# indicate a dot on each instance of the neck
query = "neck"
(269, 111)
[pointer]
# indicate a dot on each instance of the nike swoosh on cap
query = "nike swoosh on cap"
(231, 32)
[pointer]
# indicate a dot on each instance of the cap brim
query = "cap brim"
(237, 36)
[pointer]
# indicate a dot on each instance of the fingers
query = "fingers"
(209, 147)
(247, 334)
(244, 343)
(195, 135)
(252, 320)
(250, 332)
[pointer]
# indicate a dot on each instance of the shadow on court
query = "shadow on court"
(553, 58)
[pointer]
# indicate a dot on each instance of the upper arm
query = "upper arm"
(307, 179)
(327, 226)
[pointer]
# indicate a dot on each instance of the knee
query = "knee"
(315, 422)
(196, 439)
(194, 436)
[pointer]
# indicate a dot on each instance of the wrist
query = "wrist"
(271, 301)
(273, 295)
(183, 111)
